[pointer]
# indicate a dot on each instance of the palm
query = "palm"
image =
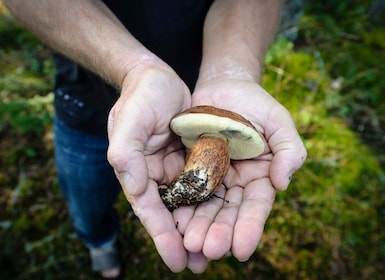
(143, 153)
(236, 223)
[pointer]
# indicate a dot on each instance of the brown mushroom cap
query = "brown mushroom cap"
(244, 141)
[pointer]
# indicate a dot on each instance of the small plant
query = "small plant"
(31, 115)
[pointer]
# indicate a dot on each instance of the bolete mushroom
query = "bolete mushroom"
(213, 136)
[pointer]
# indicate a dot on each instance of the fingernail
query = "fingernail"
(128, 182)
(288, 180)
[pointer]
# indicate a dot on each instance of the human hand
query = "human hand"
(216, 227)
(145, 154)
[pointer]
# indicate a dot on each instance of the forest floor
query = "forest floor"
(328, 225)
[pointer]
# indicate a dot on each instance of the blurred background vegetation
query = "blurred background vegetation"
(330, 223)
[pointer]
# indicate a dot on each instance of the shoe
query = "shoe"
(107, 262)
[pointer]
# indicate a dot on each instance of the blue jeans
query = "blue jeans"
(88, 183)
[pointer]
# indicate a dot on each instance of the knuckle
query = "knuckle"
(115, 158)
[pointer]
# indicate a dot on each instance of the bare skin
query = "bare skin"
(143, 151)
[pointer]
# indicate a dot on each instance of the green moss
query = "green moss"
(327, 225)
(328, 222)
(27, 115)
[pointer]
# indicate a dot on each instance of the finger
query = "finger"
(258, 198)
(182, 217)
(172, 163)
(220, 234)
(197, 262)
(160, 226)
(203, 217)
(287, 148)
(125, 151)
(243, 171)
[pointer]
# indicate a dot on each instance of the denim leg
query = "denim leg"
(88, 184)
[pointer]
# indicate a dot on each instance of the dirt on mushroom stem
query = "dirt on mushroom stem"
(207, 163)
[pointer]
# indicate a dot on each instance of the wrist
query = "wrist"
(138, 66)
(151, 73)
(229, 69)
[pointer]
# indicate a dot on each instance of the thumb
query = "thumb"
(285, 162)
(288, 150)
(126, 147)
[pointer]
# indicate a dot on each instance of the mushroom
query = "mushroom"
(213, 136)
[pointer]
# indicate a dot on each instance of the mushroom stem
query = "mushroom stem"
(214, 136)
(207, 163)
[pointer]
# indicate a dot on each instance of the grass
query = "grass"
(328, 225)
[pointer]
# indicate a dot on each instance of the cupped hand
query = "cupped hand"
(235, 224)
(144, 153)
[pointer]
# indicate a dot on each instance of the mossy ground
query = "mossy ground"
(329, 224)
